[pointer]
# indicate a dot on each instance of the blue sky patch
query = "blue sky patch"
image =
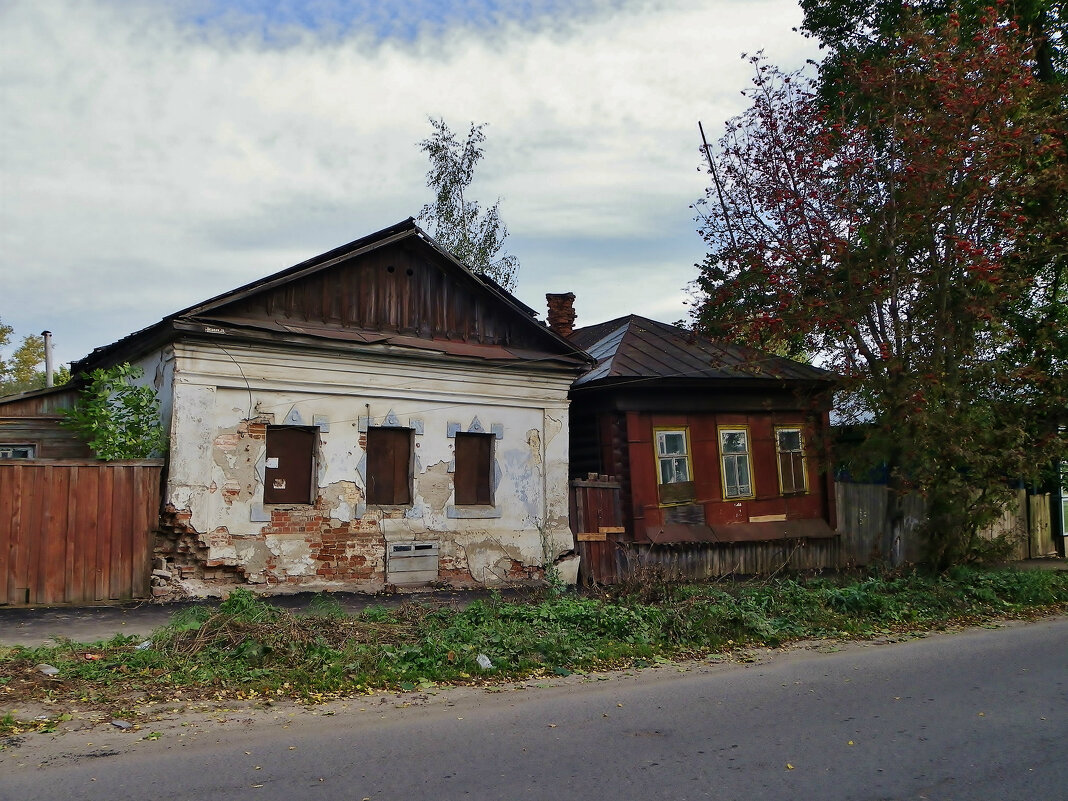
(277, 21)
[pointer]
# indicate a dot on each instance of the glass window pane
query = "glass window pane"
(730, 469)
(790, 440)
(671, 443)
(744, 487)
(733, 441)
(665, 471)
(682, 470)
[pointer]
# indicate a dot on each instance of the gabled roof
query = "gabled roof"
(259, 310)
(632, 349)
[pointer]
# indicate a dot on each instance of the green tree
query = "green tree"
(857, 29)
(23, 370)
(117, 419)
(473, 235)
(904, 234)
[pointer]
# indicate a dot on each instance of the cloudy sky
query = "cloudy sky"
(154, 153)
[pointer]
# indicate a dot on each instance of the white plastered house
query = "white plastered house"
(377, 415)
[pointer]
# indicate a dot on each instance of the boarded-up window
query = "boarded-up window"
(473, 477)
(389, 456)
(790, 447)
(290, 465)
(17, 451)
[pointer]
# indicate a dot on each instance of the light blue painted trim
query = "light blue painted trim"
(416, 425)
(497, 475)
(257, 514)
(391, 420)
(322, 422)
(361, 509)
(472, 512)
(294, 418)
(452, 429)
(476, 426)
(362, 423)
(497, 429)
(261, 466)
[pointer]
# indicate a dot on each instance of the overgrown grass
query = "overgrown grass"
(249, 648)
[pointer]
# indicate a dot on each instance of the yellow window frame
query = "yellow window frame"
(800, 429)
(720, 430)
(685, 431)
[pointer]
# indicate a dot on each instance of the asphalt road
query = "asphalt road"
(981, 714)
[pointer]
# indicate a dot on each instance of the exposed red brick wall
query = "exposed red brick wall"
(561, 316)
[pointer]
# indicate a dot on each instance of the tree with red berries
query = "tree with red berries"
(906, 231)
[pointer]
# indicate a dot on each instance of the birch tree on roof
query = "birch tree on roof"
(472, 234)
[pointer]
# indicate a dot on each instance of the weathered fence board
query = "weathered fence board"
(862, 518)
(76, 531)
(597, 508)
(696, 561)
(1041, 525)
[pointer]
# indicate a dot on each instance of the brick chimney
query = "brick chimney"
(561, 314)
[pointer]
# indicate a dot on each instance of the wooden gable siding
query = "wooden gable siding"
(38, 404)
(49, 438)
(399, 288)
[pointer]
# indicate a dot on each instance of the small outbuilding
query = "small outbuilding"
(717, 451)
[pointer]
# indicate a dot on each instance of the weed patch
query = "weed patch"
(248, 648)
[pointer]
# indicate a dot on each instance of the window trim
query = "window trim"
(800, 429)
(720, 431)
(688, 455)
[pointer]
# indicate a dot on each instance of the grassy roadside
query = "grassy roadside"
(249, 649)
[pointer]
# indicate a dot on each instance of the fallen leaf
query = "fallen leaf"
(789, 766)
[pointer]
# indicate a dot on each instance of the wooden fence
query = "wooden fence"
(76, 531)
(862, 516)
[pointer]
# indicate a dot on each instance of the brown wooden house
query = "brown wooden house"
(715, 449)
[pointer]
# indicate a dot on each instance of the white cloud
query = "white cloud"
(146, 164)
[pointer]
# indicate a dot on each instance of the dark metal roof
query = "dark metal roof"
(634, 348)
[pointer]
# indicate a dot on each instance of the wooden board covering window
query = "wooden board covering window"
(679, 492)
(389, 455)
(472, 478)
(292, 449)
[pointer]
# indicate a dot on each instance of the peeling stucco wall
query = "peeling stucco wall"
(218, 530)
